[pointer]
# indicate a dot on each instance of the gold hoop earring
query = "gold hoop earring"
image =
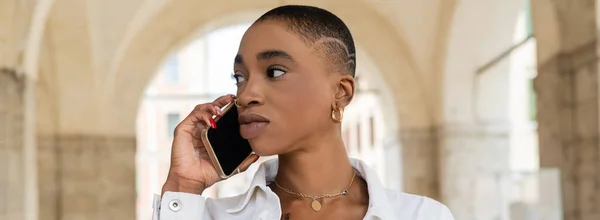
(235, 102)
(338, 115)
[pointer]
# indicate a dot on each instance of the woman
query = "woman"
(295, 68)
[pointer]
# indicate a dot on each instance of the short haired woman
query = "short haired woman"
(295, 72)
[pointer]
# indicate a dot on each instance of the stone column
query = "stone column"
(567, 89)
(48, 179)
(12, 115)
(87, 177)
(420, 168)
(472, 158)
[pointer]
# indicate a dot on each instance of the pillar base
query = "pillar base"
(87, 177)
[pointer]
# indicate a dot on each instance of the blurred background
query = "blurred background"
(488, 106)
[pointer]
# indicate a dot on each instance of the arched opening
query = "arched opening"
(522, 183)
(368, 122)
(200, 72)
(523, 112)
(405, 101)
(132, 71)
(489, 143)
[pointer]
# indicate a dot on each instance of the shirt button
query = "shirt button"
(175, 205)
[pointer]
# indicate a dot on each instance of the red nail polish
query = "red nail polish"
(255, 159)
(213, 124)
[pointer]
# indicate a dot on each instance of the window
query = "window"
(532, 102)
(528, 19)
(172, 121)
(372, 131)
(172, 70)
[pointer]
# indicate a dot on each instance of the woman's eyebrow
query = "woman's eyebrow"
(270, 54)
(267, 54)
(238, 59)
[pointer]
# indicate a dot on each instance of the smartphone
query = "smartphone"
(224, 144)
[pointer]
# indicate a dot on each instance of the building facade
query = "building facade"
(446, 74)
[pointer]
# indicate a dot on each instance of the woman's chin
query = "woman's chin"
(264, 150)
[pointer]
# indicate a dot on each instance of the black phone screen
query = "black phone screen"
(227, 143)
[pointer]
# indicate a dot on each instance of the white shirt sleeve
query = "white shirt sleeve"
(178, 206)
(446, 214)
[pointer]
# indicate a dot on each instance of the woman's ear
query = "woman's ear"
(345, 91)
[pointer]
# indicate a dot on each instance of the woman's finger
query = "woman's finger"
(223, 100)
(198, 115)
(203, 114)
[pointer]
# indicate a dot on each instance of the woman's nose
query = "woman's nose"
(251, 93)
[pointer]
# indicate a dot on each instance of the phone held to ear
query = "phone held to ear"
(224, 144)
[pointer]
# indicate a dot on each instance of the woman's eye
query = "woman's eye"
(238, 78)
(272, 73)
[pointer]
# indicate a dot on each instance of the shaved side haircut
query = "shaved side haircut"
(321, 30)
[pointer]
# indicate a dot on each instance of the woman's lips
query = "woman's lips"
(252, 129)
(251, 124)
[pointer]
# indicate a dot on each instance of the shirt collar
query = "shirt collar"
(378, 198)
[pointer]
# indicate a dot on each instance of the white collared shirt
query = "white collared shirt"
(259, 202)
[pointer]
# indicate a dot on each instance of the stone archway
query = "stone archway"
(370, 124)
(21, 30)
(383, 153)
(87, 103)
(138, 63)
(568, 112)
(386, 49)
(475, 133)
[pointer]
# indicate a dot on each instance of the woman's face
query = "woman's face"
(284, 89)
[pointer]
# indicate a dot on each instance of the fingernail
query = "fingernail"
(257, 157)
(219, 112)
(213, 124)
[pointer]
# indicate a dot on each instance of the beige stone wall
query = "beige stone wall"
(48, 178)
(472, 156)
(11, 145)
(420, 173)
(87, 177)
(567, 87)
(98, 63)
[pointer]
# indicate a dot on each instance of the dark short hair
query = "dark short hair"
(313, 24)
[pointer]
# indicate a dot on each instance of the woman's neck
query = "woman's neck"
(321, 169)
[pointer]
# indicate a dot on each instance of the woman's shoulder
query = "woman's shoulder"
(406, 204)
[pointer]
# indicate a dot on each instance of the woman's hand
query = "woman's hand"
(191, 170)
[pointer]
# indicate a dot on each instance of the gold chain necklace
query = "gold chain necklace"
(315, 204)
